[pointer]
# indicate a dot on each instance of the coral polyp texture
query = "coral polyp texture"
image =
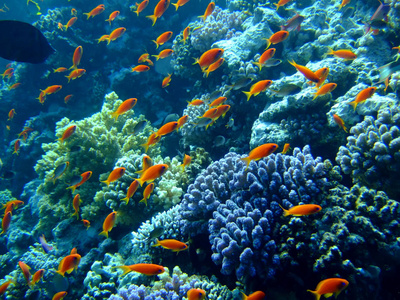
(372, 153)
(239, 207)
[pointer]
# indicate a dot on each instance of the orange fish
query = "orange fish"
(4, 286)
(5, 223)
(257, 88)
(7, 72)
(152, 173)
(116, 33)
(164, 53)
(75, 74)
(196, 294)
(70, 23)
(344, 3)
(76, 58)
(11, 114)
(74, 12)
(209, 57)
(59, 295)
(85, 177)
(11, 205)
(25, 132)
(147, 192)
(264, 57)
(322, 74)
(67, 98)
(286, 148)
(338, 120)
(37, 276)
(67, 133)
(131, 191)
(75, 204)
(109, 223)
(112, 16)
(186, 161)
(180, 3)
(170, 244)
(140, 6)
(281, 3)
(25, 271)
(181, 121)
(301, 210)
(103, 38)
(140, 68)
(60, 26)
(260, 152)
(146, 269)
(163, 38)
(42, 97)
(342, 53)
(95, 11)
(195, 102)
(221, 111)
(60, 70)
(115, 174)
(325, 89)
(185, 34)
(124, 107)
(256, 295)
(329, 287)
(166, 128)
(68, 264)
(51, 89)
(14, 86)
(17, 144)
(86, 223)
(214, 66)
(362, 96)
(166, 81)
(159, 10)
(277, 37)
(218, 101)
(147, 163)
(307, 73)
(210, 8)
(152, 140)
(143, 57)
(210, 113)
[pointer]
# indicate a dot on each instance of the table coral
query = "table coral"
(372, 153)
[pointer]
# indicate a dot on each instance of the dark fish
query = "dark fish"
(156, 232)
(203, 122)
(214, 95)
(75, 148)
(75, 180)
(377, 24)
(139, 127)
(293, 23)
(59, 170)
(23, 43)
(272, 62)
(171, 118)
(288, 90)
(388, 69)
(241, 83)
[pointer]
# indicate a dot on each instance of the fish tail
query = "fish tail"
(72, 187)
(69, 78)
(156, 43)
(88, 15)
(153, 18)
(76, 214)
(203, 17)
(144, 200)
(126, 199)
(176, 5)
(115, 115)
(268, 44)
(137, 12)
(157, 243)
(157, 56)
(108, 41)
(248, 95)
(196, 61)
(126, 269)
(106, 181)
(315, 96)
(145, 146)
(244, 296)
(258, 65)
(354, 104)
(330, 52)
(104, 233)
(140, 181)
(247, 160)
(285, 211)
(345, 128)
(317, 296)
(277, 6)
(60, 272)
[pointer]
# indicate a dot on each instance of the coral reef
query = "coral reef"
(372, 152)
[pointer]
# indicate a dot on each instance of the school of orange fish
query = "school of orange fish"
(209, 61)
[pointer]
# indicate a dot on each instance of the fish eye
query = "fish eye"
(160, 270)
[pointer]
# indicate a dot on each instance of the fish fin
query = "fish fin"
(317, 296)
(247, 160)
(285, 211)
(76, 214)
(144, 200)
(125, 269)
(268, 43)
(106, 181)
(153, 18)
(104, 233)
(88, 15)
(126, 199)
(156, 43)
(248, 95)
(258, 65)
(157, 243)
(354, 104)
(145, 146)
(196, 61)
(158, 56)
(115, 115)
(176, 5)
(277, 6)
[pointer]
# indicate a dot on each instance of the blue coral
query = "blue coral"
(372, 152)
(239, 207)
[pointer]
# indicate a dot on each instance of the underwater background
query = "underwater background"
(226, 209)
